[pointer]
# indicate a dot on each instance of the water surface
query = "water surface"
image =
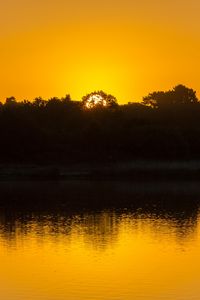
(148, 248)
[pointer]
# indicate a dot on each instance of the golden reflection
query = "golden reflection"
(102, 255)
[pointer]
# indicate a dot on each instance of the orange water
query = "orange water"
(106, 254)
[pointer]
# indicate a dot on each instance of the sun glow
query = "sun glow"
(94, 100)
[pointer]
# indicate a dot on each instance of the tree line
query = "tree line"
(165, 125)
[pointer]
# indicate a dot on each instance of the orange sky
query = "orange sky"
(127, 48)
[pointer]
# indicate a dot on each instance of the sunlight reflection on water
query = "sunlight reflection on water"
(114, 253)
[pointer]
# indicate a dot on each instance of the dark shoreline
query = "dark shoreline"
(135, 170)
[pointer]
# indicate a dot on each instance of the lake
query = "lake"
(99, 240)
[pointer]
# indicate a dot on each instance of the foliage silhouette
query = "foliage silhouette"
(63, 131)
(178, 96)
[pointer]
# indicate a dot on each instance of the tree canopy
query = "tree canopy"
(179, 95)
(65, 131)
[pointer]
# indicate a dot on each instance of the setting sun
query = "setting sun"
(95, 100)
(99, 99)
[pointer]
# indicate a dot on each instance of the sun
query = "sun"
(99, 99)
(95, 100)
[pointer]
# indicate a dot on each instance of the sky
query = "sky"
(126, 48)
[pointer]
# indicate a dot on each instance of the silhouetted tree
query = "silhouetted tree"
(177, 96)
(39, 102)
(60, 130)
(11, 101)
(66, 99)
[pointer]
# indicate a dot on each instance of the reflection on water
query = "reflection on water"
(148, 248)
